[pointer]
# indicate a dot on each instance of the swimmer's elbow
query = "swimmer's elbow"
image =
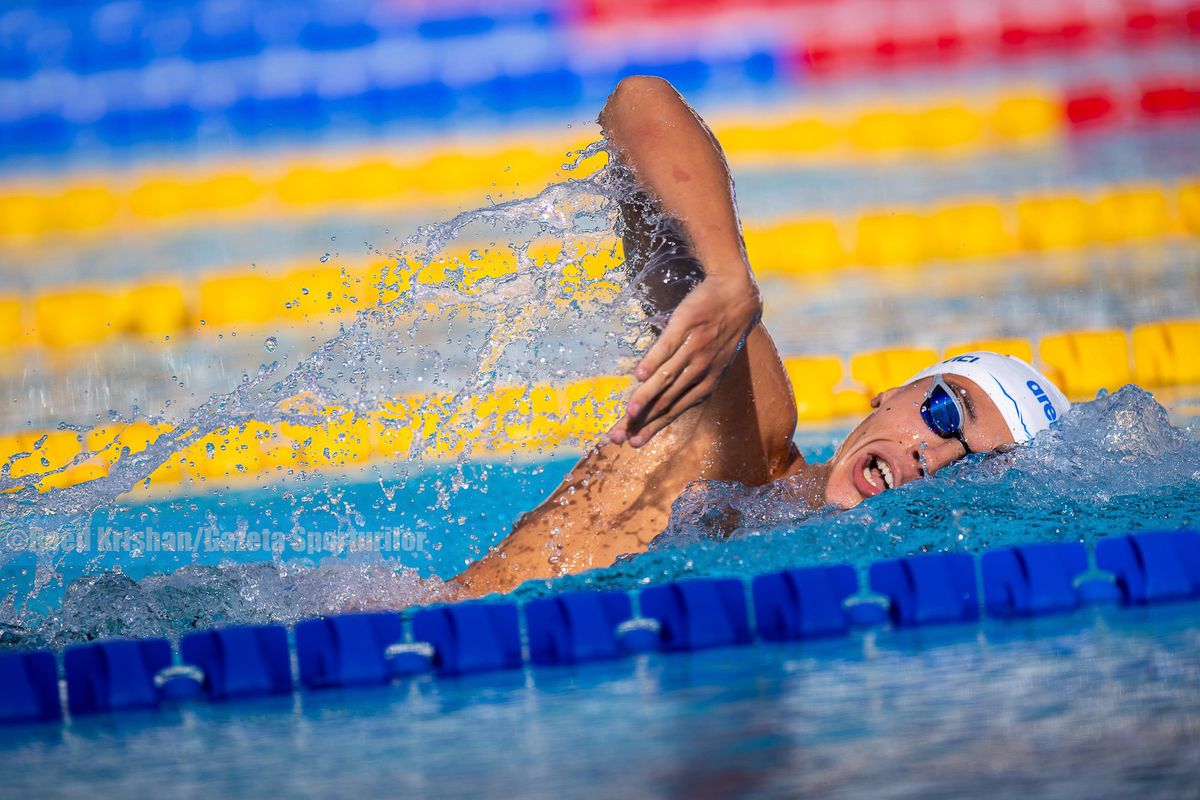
(631, 101)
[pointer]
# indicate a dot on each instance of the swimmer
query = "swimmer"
(713, 401)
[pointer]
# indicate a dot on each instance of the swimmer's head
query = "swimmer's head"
(976, 402)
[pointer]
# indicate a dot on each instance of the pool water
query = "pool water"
(1103, 702)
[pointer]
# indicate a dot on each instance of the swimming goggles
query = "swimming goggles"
(943, 412)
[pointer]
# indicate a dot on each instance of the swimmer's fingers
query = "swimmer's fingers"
(645, 396)
(646, 401)
(691, 367)
(695, 395)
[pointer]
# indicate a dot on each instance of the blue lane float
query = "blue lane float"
(347, 650)
(698, 614)
(115, 675)
(29, 687)
(1153, 567)
(571, 628)
(472, 637)
(576, 627)
(803, 603)
(242, 661)
(1034, 579)
(931, 588)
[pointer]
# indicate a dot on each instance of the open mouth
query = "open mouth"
(874, 476)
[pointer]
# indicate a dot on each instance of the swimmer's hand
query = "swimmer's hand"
(685, 365)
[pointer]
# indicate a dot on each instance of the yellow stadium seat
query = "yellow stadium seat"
(1167, 353)
(83, 208)
(1021, 348)
(851, 402)
(813, 380)
(807, 245)
(12, 326)
(226, 191)
(1083, 362)
(1054, 222)
(1189, 206)
(369, 180)
(899, 238)
(305, 185)
(23, 216)
(1027, 116)
(316, 294)
(168, 473)
(232, 453)
(593, 405)
(951, 126)
(1131, 214)
(72, 318)
(883, 131)
(111, 442)
(160, 198)
(880, 370)
(156, 309)
(73, 476)
(808, 135)
(394, 435)
(749, 141)
(521, 167)
(238, 299)
(47, 451)
(448, 174)
(970, 230)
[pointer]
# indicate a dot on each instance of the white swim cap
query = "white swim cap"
(1027, 399)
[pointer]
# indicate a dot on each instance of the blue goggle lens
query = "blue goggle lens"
(940, 412)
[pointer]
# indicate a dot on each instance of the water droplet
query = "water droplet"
(324, 258)
(270, 344)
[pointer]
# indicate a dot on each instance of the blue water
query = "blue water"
(1102, 703)
(1115, 465)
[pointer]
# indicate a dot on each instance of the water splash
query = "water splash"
(449, 328)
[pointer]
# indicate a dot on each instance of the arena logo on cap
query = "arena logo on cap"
(1040, 395)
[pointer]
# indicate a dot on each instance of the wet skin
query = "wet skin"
(709, 405)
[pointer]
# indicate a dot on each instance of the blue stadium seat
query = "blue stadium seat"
(928, 588)
(129, 127)
(1153, 567)
(549, 89)
(1033, 579)
(347, 650)
(114, 675)
(259, 116)
(42, 134)
(450, 27)
(29, 687)
(761, 68)
(111, 39)
(221, 32)
(241, 661)
(803, 603)
(319, 37)
(698, 614)
(425, 100)
(577, 626)
(471, 637)
(687, 75)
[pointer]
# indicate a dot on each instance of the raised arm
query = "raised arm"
(677, 162)
(742, 417)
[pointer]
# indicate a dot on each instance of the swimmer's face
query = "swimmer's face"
(893, 445)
